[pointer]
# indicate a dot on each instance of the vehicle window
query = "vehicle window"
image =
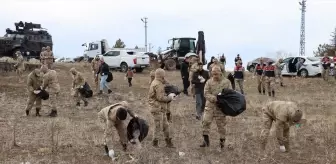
(116, 53)
(192, 46)
(287, 60)
(301, 59)
(109, 53)
(176, 44)
(130, 52)
(93, 46)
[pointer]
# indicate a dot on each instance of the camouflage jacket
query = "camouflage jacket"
(20, 62)
(95, 65)
(212, 88)
(157, 98)
(78, 80)
(50, 81)
(34, 82)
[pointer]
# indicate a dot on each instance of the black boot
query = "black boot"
(86, 103)
(100, 92)
(264, 92)
(206, 142)
(169, 143)
(124, 147)
(38, 112)
(273, 93)
(281, 84)
(259, 91)
(168, 117)
(242, 92)
(269, 94)
(78, 104)
(221, 142)
(109, 91)
(27, 112)
(53, 113)
(155, 142)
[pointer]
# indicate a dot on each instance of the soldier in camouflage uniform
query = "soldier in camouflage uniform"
(48, 57)
(42, 57)
(212, 88)
(269, 75)
(284, 114)
(218, 64)
(158, 100)
(95, 64)
(116, 115)
(20, 67)
(50, 81)
(193, 67)
(278, 70)
(77, 84)
(258, 71)
(33, 85)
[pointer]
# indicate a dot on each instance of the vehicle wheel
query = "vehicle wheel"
(139, 69)
(303, 73)
(123, 67)
(251, 69)
(170, 64)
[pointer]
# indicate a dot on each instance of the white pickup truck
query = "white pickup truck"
(122, 59)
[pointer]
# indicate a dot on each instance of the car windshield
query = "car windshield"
(313, 58)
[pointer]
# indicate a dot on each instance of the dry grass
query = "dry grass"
(75, 135)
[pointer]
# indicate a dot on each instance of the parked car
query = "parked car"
(311, 66)
(65, 60)
(122, 59)
(252, 64)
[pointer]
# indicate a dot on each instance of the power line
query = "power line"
(303, 28)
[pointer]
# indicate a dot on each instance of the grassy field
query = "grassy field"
(76, 137)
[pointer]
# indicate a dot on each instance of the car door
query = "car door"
(108, 58)
(285, 69)
(116, 57)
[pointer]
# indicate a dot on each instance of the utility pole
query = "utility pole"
(145, 21)
(303, 28)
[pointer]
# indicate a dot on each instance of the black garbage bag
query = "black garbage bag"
(109, 77)
(231, 103)
(231, 78)
(137, 128)
(86, 90)
(44, 95)
(172, 89)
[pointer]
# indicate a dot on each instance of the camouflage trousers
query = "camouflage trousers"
(261, 83)
(96, 81)
(49, 63)
(160, 118)
(240, 83)
(32, 98)
(279, 78)
(282, 133)
(270, 83)
(19, 72)
(53, 98)
(78, 96)
(325, 73)
(209, 115)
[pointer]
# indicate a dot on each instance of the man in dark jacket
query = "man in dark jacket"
(237, 59)
(199, 79)
(103, 71)
(185, 75)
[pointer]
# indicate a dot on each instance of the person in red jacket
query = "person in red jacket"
(269, 74)
(325, 61)
(239, 74)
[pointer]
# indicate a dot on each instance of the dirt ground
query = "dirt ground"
(75, 136)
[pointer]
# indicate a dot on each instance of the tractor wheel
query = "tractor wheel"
(170, 64)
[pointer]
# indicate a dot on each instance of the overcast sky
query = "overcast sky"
(251, 28)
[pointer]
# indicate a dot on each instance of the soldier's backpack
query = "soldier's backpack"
(137, 128)
(44, 95)
(231, 102)
(86, 90)
(109, 77)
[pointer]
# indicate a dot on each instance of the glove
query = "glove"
(282, 149)
(172, 96)
(36, 92)
(200, 77)
(81, 87)
(202, 80)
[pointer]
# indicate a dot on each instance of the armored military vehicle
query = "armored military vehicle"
(25, 39)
